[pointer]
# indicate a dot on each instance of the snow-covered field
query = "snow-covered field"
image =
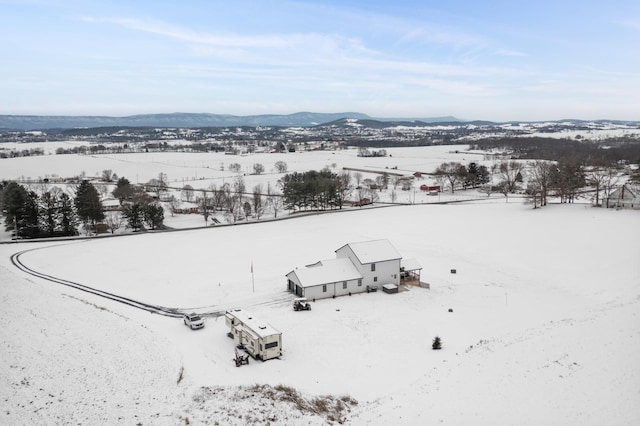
(203, 169)
(545, 327)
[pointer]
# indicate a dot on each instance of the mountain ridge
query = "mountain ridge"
(203, 120)
(181, 119)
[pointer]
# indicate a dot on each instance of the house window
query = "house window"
(373, 267)
(344, 284)
(375, 279)
(324, 288)
(395, 276)
(360, 282)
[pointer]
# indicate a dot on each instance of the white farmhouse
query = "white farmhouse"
(356, 267)
(378, 261)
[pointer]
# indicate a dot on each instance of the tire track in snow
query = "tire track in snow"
(155, 309)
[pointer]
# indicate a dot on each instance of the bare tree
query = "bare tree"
(174, 205)
(488, 187)
(187, 192)
(107, 176)
(258, 208)
(358, 177)
(235, 167)
(602, 179)
(218, 197)
(540, 179)
(102, 189)
(509, 171)
(453, 172)
(228, 198)
(204, 206)
(239, 189)
(258, 169)
(344, 187)
(114, 221)
(274, 200)
(281, 166)
(611, 180)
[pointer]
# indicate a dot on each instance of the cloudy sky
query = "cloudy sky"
(492, 60)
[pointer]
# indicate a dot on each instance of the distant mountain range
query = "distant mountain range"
(43, 122)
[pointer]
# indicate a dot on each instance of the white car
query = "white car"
(193, 321)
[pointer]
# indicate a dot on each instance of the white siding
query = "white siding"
(387, 271)
(336, 289)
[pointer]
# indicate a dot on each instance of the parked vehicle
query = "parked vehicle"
(193, 321)
(301, 304)
(257, 338)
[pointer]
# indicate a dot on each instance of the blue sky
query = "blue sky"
(491, 60)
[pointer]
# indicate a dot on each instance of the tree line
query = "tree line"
(564, 178)
(618, 149)
(55, 213)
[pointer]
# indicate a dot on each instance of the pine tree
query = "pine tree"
(88, 205)
(437, 343)
(68, 218)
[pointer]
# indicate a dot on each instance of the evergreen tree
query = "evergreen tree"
(123, 189)
(31, 227)
(134, 215)
(153, 215)
(14, 198)
(437, 343)
(49, 217)
(68, 218)
(88, 205)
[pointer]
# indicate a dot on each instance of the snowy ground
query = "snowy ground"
(545, 327)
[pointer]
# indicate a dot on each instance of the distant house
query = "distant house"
(186, 207)
(356, 266)
(625, 196)
(111, 204)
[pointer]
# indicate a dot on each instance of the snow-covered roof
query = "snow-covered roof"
(327, 271)
(110, 202)
(410, 265)
(374, 251)
(249, 322)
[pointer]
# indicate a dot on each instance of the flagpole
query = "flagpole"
(253, 281)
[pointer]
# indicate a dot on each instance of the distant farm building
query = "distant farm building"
(430, 188)
(356, 267)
